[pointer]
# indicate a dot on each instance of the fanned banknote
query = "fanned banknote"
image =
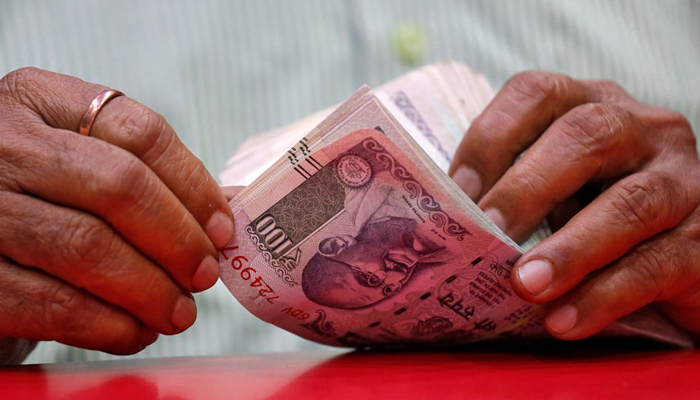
(350, 233)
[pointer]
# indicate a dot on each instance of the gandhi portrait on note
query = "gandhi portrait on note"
(354, 271)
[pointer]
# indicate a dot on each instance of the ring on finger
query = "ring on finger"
(95, 106)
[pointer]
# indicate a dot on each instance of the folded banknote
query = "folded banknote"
(350, 233)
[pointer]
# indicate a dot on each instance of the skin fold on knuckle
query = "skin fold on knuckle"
(536, 87)
(20, 84)
(38, 92)
(146, 133)
(673, 258)
(85, 241)
(650, 271)
(592, 130)
(64, 312)
(645, 201)
(529, 179)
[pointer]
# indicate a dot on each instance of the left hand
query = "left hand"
(640, 235)
(102, 237)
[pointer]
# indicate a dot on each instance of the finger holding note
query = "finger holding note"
(634, 243)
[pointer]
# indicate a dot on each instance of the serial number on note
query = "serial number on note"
(249, 274)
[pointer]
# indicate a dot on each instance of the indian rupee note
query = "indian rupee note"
(357, 244)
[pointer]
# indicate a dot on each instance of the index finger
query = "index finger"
(526, 105)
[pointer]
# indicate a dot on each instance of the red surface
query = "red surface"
(558, 374)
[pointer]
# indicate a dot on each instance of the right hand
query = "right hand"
(617, 250)
(102, 238)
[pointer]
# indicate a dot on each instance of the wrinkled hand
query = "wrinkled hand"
(640, 232)
(102, 238)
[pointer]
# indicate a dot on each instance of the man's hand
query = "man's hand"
(102, 238)
(636, 242)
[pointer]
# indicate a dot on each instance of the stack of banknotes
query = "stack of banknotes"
(350, 233)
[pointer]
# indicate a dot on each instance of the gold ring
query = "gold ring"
(94, 109)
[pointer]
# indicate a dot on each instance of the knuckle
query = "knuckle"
(593, 128)
(146, 132)
(528, 178)
(88, 242)
(65, 309)
(16, 79)
(642, 200)
(19, 83)
(538, 85)
(650, 270)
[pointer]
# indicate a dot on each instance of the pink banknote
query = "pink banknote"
(357, 243)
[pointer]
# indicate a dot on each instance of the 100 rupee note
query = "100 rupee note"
(359, 242)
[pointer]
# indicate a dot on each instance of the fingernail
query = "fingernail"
(497, 218)
(219, 229)
(535, 276)
(206, 274)
(184, 313)
(468, 180)
(562, 319)
(148, 337)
